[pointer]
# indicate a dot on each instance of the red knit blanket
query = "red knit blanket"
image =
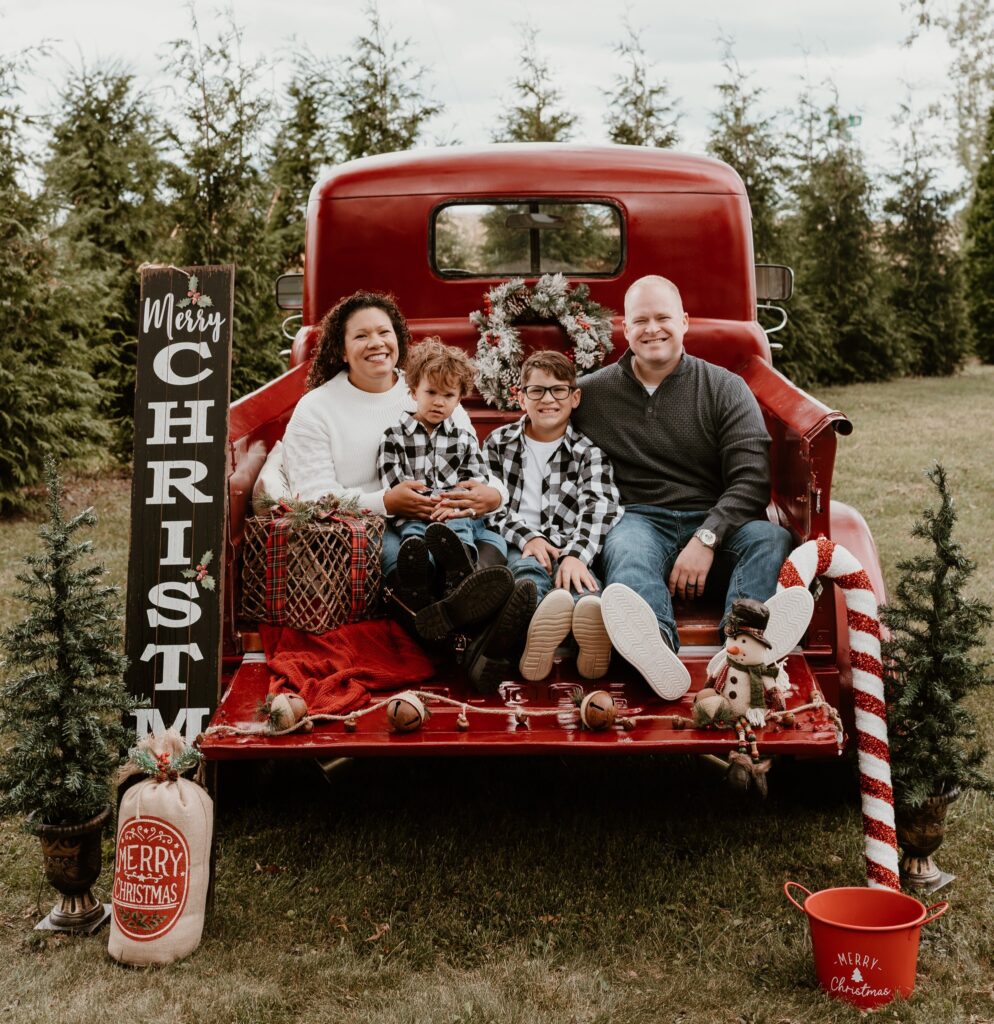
(335, 671)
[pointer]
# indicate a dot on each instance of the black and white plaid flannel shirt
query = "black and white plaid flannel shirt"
(445, 458)
(580, 502)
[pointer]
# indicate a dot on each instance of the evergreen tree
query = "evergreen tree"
(105, 172)
(377, 101)
(747, 141)
(830, 231)
(535, 118)
(925, 278)
(62, 706)
(303, 145)
(929, 667)
(48, 398)
(980, 251)
(221, 199)
(639, 112)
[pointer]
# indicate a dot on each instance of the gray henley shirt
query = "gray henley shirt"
(697, 443)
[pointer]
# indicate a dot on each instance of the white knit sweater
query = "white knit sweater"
(332, 439)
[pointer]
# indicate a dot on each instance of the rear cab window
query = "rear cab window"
(526, 237)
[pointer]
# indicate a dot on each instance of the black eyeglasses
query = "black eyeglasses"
(535, 392)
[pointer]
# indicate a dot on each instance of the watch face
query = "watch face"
(706, 537)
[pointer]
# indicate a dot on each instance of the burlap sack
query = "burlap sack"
(162, 870)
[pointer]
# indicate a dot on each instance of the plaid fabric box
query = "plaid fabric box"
(311, 575)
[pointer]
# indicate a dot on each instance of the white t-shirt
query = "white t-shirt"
(536, 462)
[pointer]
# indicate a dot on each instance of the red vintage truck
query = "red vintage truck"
(414, 224)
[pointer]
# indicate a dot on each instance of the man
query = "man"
(690, 453)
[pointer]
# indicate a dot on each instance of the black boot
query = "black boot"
(453, 561)
(493, 655)
(487, 555)
(472, 601)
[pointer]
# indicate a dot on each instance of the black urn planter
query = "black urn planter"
(72, 858)
(920, 832)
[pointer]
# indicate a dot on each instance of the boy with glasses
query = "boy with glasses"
(562, 503)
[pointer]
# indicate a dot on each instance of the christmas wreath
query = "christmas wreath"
(499, 353)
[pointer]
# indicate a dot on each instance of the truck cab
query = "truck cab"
(438, 229)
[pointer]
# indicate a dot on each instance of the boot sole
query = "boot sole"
(550, 625)
(414, 572)
(631, 624)
(472, 601)
(488, 669)
(591, 635)
(450, 556)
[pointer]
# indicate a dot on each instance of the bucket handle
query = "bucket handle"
(807, 892)
(941, 907)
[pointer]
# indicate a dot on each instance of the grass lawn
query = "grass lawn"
(541, 890)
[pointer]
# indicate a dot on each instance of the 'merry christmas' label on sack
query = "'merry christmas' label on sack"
(151, 878)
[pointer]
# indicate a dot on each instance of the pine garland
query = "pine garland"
(301, 512)
(499, 353)
(929, 668)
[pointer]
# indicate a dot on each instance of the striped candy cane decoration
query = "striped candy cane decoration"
(824, 557)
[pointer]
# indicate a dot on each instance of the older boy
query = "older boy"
(562, 503)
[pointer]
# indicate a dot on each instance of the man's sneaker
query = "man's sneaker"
(452, 560)
(414, 573)
(631, 624)
(491, 657)
(591, 637)
(550, 625)
(475, 599)
(790, 614)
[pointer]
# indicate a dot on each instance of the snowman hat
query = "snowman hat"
(751, 617)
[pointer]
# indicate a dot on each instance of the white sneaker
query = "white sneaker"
(790, 614)
(592, 638)
(631, 624)
(549, 627)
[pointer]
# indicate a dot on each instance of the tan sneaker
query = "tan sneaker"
(549, 627)
(631, 624)
(592, 638)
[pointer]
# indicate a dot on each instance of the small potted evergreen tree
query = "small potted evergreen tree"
(930, 667)
(62, 704)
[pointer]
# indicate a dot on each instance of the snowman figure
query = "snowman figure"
(746, 677)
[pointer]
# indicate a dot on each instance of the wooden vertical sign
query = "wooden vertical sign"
(179, 496)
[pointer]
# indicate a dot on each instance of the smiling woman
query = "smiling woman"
(356, 391)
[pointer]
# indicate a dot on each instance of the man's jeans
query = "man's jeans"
(641, 548)
(528, 568)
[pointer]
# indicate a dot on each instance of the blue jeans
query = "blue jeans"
(469, 531)
(528, 568)
(643, 545)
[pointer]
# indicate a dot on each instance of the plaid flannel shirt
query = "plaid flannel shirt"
(580, 502)
(443, 459)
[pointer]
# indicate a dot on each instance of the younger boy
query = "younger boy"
(429, 445)
(562, 503)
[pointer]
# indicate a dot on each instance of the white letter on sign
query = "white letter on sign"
(162, 364)
(176, 541)
(189, 611)
(165, 421)
(163, 473)
(149, 721)
(170, 662)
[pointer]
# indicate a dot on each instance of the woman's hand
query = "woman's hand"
(471, 498)
(410, 499)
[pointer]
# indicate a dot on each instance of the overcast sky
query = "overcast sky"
(470, 48)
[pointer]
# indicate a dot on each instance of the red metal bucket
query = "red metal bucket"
(865, 941)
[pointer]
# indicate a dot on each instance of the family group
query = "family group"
(643, 481)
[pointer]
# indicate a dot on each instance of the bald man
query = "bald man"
(690, 453)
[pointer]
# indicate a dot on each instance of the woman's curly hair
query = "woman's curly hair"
(329, 353)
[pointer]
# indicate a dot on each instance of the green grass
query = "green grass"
(541, 890)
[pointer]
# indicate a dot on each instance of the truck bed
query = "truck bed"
(501, 734)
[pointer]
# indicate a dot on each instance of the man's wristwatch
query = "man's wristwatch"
(707, 537)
